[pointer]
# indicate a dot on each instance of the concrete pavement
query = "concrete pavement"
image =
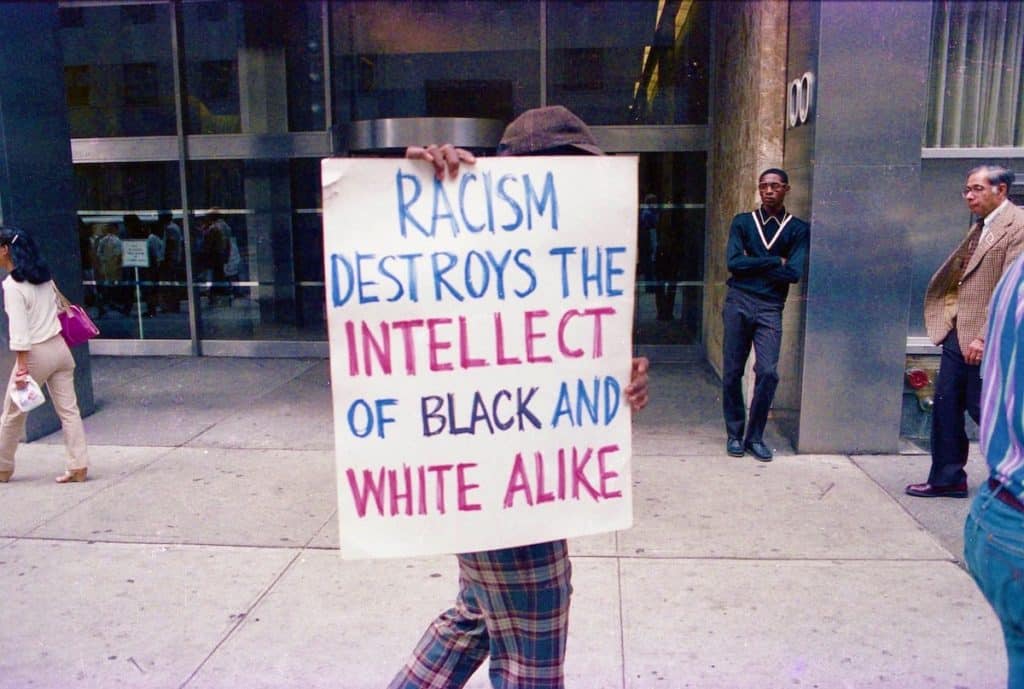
(201, 554)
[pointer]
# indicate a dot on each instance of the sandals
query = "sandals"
(72, 476)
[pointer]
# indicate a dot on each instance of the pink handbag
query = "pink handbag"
(75, 324)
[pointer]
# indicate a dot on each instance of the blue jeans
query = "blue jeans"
(994, 552)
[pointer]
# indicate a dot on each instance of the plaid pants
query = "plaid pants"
(513, 605)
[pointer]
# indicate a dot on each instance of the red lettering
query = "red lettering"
(369, 488)
(538, 465)
(531, 335)
(465, 361)
(464, 487)
(438, 470)
(579, 478)
(434, 344)
(518, 482)
(499, 339)
(406, 327)
(606, 474)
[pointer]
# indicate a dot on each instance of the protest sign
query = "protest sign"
(480, 341)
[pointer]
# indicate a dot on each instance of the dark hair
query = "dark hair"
(775, 171)
(995, 174)
(28, 263)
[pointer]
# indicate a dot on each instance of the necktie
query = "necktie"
(972, 244)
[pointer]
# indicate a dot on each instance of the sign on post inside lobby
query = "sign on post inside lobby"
(480, 342)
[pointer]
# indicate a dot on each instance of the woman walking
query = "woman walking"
(34, 335)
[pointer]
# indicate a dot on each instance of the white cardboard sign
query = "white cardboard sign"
(134, 253)
(480, 341)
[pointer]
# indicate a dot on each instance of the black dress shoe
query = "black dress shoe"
(927, 490)
(759, 450)
(734, 446)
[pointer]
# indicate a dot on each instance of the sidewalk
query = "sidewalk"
(202, 554)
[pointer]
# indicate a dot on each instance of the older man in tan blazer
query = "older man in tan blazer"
(955, 314)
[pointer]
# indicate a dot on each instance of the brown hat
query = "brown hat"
(542, 129)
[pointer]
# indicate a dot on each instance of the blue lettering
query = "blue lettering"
(612, 271)
(336, 296)
(589, 277)
(590, 397)
(363, 298)
(564, 252)
(466, 179)
(404, 207)
(439, 274)
(441, 197)
(399, 289)
(499, 271)
(477, 292)
(540, 204)
(489, 198)
(410, 259)
(526, 268)
(611, 408)
(517, 212)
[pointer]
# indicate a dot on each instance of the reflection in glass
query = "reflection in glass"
(256, 249)
(443, 58)
(130, 240)
(253, 67)
(670, 248)
(639, 62)
(118, 70)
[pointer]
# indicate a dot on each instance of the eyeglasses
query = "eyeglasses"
(774, 186)
(975, 189)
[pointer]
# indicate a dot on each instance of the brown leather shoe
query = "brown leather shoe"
(5, 476)
(927, 490)
(72, 476)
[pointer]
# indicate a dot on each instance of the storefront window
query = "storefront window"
(118, 70)
(133, 265)
(255, 249)
(443, 58)
(976, 80)
(253, 67)
(641, 62)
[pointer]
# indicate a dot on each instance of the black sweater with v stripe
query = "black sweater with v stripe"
(757, 244)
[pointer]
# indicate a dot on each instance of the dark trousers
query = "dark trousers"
(749, 320)
(957, 390)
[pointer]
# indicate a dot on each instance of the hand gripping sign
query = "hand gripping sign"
(480, 344)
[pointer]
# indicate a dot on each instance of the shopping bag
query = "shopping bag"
(28, 397)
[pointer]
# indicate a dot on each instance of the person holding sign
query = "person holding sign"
(513, 603)
(766, 253)
(30, 301)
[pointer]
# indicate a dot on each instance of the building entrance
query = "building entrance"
(197, 130)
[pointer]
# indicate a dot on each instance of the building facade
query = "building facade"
(195, 131)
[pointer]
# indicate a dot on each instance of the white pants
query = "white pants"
(49, 363)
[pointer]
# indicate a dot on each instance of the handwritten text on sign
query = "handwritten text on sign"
(480, 343)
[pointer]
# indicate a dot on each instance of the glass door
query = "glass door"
(670, 253)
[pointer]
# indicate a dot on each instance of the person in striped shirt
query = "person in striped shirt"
(994, 531)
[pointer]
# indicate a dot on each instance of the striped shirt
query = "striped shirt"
(1002, 391)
